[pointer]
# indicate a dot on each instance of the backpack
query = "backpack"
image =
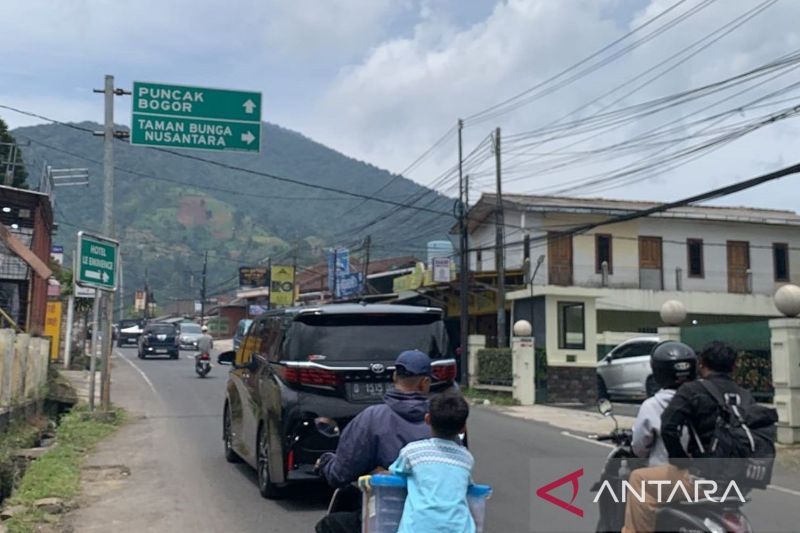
(742, 446)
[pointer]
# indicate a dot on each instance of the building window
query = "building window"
(695, 258)
(571, 326)
(780, 256)
(602, 246)
(479, 260)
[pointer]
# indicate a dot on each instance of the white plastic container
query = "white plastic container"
(383, 503)
(476, 498)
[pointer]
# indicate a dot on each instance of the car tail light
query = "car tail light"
(735, 523)
(311, 376)
(205, 357)
(445, 372)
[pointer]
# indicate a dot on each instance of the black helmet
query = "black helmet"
(673, 363)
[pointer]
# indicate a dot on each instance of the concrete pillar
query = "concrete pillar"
(523, 369)
(475, 343)
(18, 366)
(785, 348)
(7, 338)
(669, 333)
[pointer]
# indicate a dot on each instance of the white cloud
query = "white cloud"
(390, 107)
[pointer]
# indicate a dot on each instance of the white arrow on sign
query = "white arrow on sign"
(248, 137)
(249, 106)
(106, 277)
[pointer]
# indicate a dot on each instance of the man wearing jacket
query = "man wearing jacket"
(373, 439)
(692, 407)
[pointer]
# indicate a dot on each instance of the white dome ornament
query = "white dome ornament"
(522, 328)
(673, 312)
(787, 300)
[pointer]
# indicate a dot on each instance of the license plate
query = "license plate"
(366, 391)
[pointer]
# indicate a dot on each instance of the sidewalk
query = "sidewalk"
(573, 420)
(223, 345)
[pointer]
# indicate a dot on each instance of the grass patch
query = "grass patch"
(57, 473)
(21, 434)
(496, 397)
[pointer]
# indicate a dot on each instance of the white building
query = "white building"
(723, 263)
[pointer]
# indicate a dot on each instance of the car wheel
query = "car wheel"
(602, 390)
(227, 438)
(174, 355)
(266, 487)
(650, 386)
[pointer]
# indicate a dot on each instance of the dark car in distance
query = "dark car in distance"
(159, 337)
(129, 331)
(300, 371)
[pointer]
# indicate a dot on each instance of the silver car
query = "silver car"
(189, 334)
(625, 372)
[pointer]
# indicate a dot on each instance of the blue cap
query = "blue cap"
(414, 362)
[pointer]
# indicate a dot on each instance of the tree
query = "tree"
(8, 149)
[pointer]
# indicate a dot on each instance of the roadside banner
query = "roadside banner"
(282, 287)
(52, 327)
(441, 269)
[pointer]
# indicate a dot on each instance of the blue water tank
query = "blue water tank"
(439, 249)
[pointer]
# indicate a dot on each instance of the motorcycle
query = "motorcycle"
(202, 364)
(700, 517)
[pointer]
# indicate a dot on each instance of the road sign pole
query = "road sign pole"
(68, 335)
(95, 347)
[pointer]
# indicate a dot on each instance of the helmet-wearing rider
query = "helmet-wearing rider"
(673, 364)
(205, 343)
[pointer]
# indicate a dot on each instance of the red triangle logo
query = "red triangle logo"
(544, 492)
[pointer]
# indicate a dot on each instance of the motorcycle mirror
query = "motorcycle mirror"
(327, 426)
(605, 407)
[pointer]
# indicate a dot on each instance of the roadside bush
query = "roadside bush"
(494, 366)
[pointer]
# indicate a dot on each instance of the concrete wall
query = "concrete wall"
(23, 368)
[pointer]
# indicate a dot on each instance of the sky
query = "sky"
(383, 80)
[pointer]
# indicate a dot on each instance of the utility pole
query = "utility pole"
(203, 290)
(364, 286)
(463, 232)
(146, 296)
(499, 250)
(11, 164)
(294, 270)
(269, 290)
(335, 273)
(108, 230)
(95, 346)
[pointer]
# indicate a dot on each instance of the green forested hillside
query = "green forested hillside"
(169, 210)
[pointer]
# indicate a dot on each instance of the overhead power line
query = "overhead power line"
(234, 168)
(641, 213)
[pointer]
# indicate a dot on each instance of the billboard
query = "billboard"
(252, 277)
(282, 286)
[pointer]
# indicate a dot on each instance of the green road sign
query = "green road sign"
(97, 262)
(195, 117)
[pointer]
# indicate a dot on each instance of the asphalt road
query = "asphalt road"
(180, 480)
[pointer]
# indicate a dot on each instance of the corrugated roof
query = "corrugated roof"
(605, 206)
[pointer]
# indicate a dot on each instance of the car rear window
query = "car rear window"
(365, 337)
(190, 328)
(128, 324)
(161, 329)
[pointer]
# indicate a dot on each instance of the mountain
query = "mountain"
(169, 210)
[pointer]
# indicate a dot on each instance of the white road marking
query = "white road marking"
(776, 488)
(139, 370)
(586, 439)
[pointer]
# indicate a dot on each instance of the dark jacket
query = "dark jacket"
(694, 407)
(375, 437)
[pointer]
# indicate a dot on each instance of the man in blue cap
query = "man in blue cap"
(373, 439)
